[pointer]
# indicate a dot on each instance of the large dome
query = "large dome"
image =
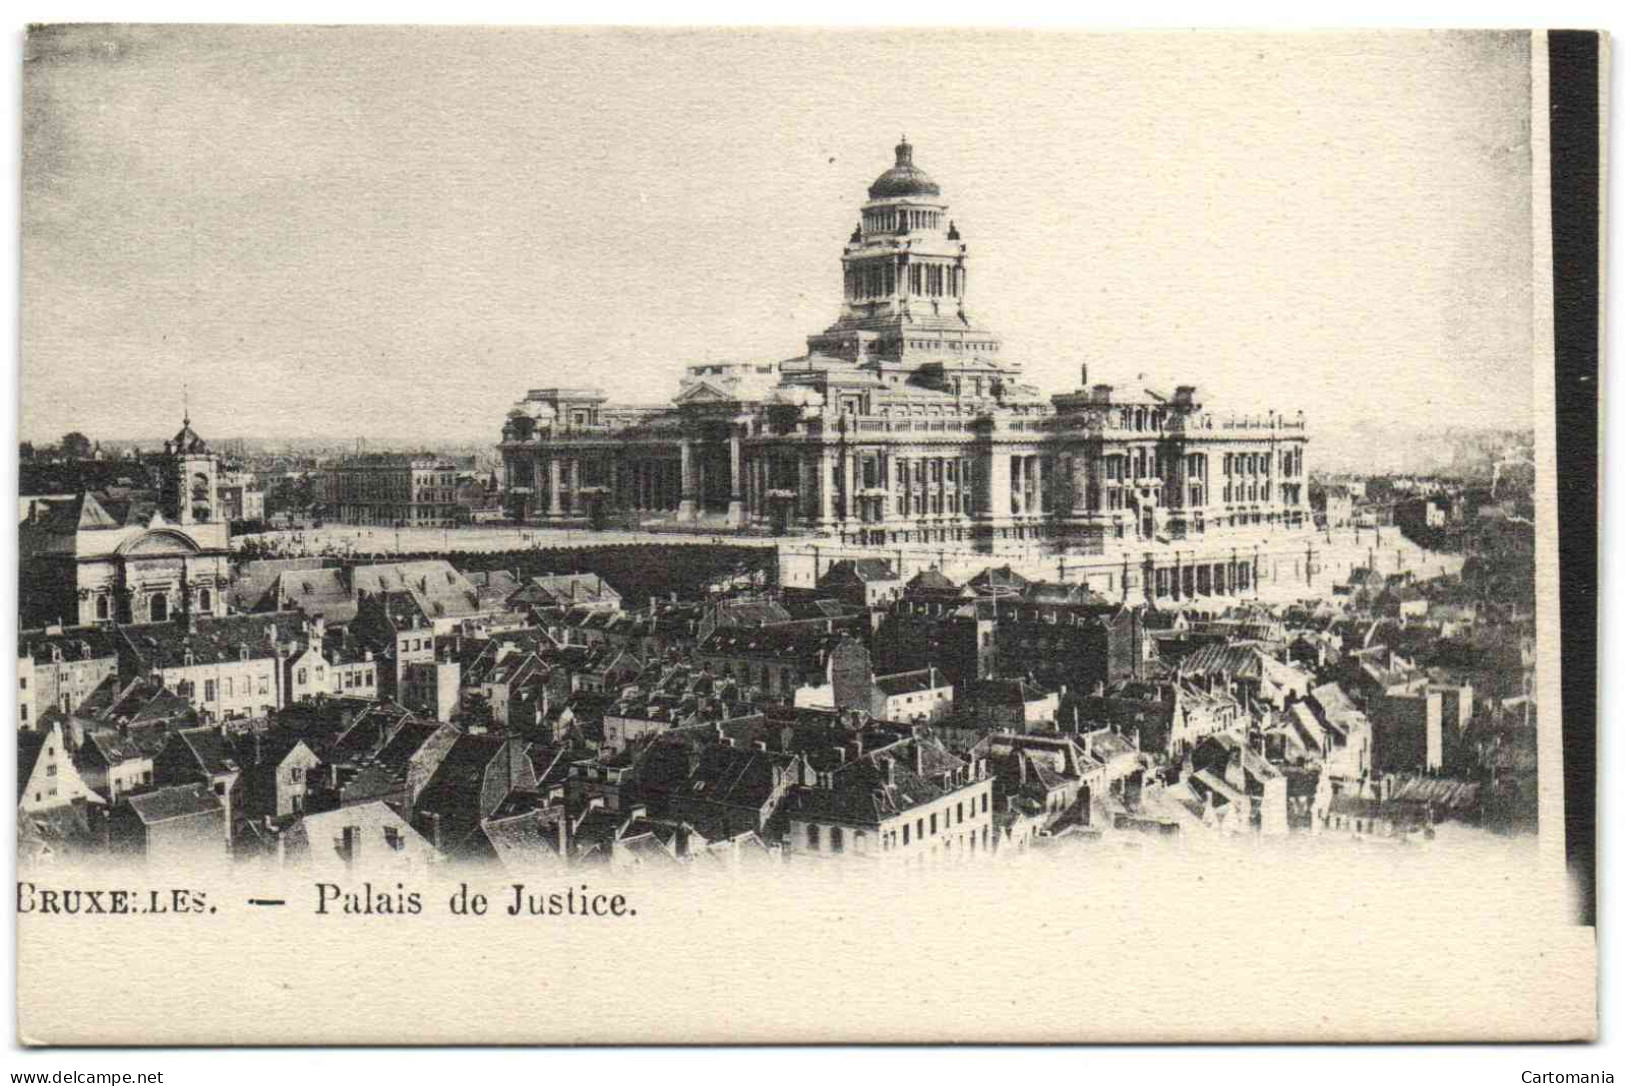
(904, 179)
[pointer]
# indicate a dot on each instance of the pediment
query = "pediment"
(160, 541)
(704, 392)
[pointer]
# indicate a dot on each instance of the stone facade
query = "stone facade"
(904, 423)
(393, 490)
(86, 562)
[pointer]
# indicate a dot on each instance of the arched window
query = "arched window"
(158, 609)
(101, 608)
(205, 601)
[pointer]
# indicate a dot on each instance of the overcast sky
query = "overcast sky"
(342, 232)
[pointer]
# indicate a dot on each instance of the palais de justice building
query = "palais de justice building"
(904, 423)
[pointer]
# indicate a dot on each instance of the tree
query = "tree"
(76, 446)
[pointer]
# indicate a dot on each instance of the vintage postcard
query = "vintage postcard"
(537, 536)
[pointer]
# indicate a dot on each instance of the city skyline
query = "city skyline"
(481, 221)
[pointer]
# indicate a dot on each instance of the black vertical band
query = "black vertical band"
(1576, 137)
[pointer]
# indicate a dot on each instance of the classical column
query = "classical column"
(995, 485)
(736, 477)
(850, 509)
(1018, 484)
(555, 499)
(688, 506)
(806, 476)
(826, 489)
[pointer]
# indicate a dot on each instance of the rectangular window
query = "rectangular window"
(905, 833)
(812, 838)
(933, 824)
(837, 839)
(208, 689)
(984, 803)
(959, 813)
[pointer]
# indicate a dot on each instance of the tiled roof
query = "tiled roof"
(1450, 794)
(115, 748)
(860, 791)
(323, 592)
(909, 682)
(215, 640)
(252, 582)
(931, 580)
(434, 585)
(494, 587)
(82, 512)
(177, 801)
(1236, 661)
(735, 776)
(568, 589)
(1004, 692)
(863, 569)
(800, 645)
(523, 842)
(214, 755)
(75, 643)
(1000, 577)
(29, 745)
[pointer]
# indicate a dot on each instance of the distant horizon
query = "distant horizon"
(384, 229)
(1345, 453)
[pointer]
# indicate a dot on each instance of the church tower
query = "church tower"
(190, 478)
(904, 270)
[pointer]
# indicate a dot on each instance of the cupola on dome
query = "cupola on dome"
(905, 178)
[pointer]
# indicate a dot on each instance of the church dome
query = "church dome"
(904, 179)
(186, 439)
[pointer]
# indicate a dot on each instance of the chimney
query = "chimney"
(562, 828)
(350, 849)
(891, 771)
(759, 744)
(840, 755)
(919, 758)
(1083, 375)
(1021, 766)
(787, 736)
